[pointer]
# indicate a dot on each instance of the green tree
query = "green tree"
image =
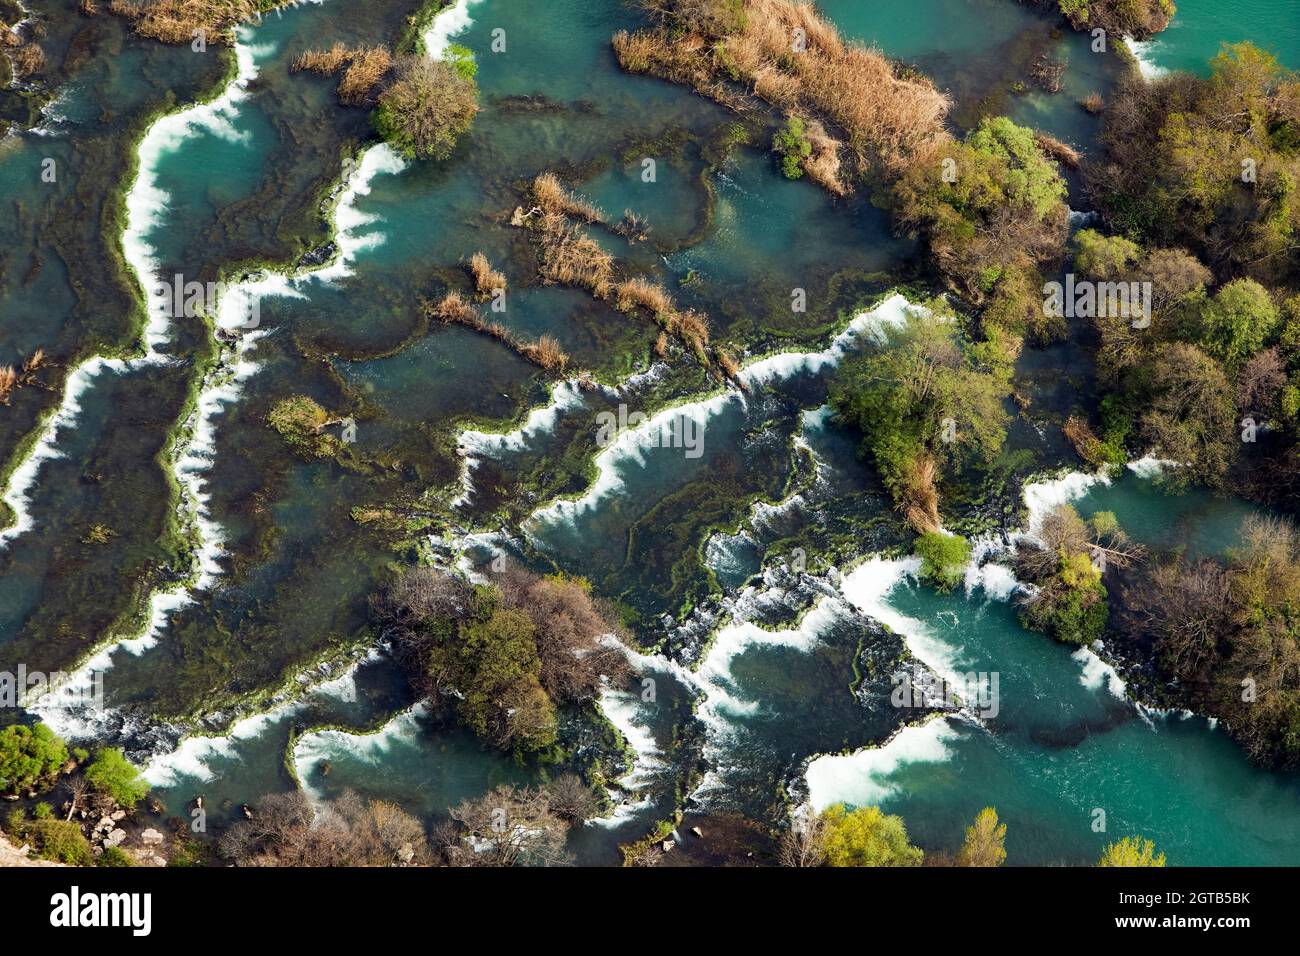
(30, 758)
(866, 837)
(943, 558)
(924, 402)
(1103, 257)
(494, 667)
(1131, 851)
(1237, 322)
(985, 841)
(110, 773)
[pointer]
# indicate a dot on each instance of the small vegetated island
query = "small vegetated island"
(1185, 200)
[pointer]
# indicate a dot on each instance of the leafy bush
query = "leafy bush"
(30, 758)
(110, 773)
(793, 146)
(866, 837)
(943, 557)
(1131, 851)
(61, 841)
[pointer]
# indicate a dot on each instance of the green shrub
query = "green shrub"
(30, 758)
(866, 837)
(427, 109)
(943, 558)
(112, 774)
(116, 856)
(61, 841)
(793, 146)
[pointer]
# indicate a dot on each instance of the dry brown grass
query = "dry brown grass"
(1093, 103)
(1063, 153)
(642, 293)
(661, 345)
(34, 362)
(823, 166)
(453, 308)
(8, 382)
(322, 62)
(691, 327)
(545, 353)
(553, 198)
(88, 7)
(919, 500)
(368, 67)
(486, 279)
(884, 120)
(175, 21)
(1084, 439)
(571, 257)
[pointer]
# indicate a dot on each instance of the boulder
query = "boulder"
(118, 815)
(115, 838)
(667, 845)
(699, 834)
(151, 837)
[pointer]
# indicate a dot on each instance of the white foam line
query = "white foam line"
(1149, 466)
(448, 23)
(311, 748)
(1096, 673)
(861, 778)
(1144, 52)
(630, 447)
(23, 478)
(1043, 497)
(893, 312)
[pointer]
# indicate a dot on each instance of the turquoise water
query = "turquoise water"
(1200, 27)
(703, 554)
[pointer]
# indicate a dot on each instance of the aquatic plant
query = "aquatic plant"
(551, 195)
(487, 280)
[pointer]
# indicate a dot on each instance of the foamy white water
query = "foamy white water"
(449, 23)
(861, 778)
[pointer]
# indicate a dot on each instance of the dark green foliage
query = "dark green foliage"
(30, 758)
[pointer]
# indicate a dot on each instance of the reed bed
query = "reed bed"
(452, 309)
(487, 280)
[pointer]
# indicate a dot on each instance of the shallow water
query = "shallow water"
(260, 578)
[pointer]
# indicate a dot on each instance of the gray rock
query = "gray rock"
(151, 837)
